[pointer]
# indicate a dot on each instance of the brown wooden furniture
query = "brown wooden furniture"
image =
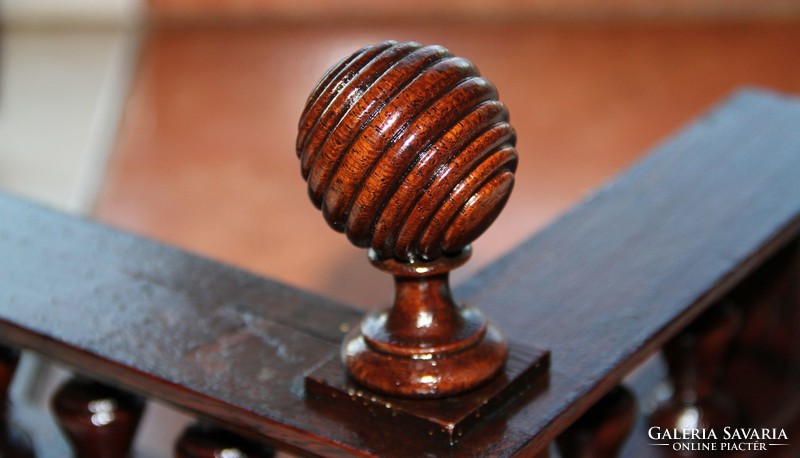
(407, 150)
(710, 218)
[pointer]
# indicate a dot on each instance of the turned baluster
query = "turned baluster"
(13, 442)
(771, 306)
(602, 430)
(99, 420)
(407, 150)
(768, 345)
(202, 440)
(695, 359)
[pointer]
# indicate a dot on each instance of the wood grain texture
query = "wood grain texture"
(646, 255)
(332, 392)
(407, 150)
(175, 315)
(425, 345)
(643, 257)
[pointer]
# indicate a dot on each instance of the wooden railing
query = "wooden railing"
(693, 254)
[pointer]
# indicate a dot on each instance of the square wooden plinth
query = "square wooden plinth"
(329, 386)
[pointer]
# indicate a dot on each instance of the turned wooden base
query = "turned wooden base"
(328, 387)
(425, 345)
(413, 376)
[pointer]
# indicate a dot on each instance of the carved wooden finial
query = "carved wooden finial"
(407, 150)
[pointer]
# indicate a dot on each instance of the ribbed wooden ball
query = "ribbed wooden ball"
(407, 150)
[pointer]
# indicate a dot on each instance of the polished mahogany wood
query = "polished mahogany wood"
(696, 360)
(602, 430)
(648, 253)
(407, 150)
(99, 420)
(447, 420)
(168, 324)
(644, 258)
(425, 345)
(202, 440)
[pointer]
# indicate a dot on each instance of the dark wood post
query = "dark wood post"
(602, 430)
(768, 346)
(201, 440)
(99, 420)
(695, 359)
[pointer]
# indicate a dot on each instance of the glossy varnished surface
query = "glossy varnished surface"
(425, 345)
(175, 315)
(160, 322)
(331, 392)
(99, 420)
(204, 159)
(648, 254)
(208, 441)
(407, 150)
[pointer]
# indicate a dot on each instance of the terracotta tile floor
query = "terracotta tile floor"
(205, 156)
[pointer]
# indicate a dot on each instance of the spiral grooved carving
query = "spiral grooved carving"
(407, 150)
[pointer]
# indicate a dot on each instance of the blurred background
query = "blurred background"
(175, 119)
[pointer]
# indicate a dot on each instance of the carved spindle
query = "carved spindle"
(407, 150)
(767, 348)
(13, 442)
(99, 420)
(206, 441)
(602, 430)
(695, 360)
(771, 304)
